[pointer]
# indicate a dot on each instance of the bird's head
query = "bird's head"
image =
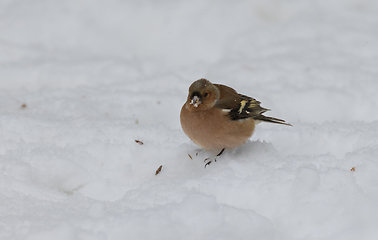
(202, 95)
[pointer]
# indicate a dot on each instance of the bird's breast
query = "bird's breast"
(213, 129)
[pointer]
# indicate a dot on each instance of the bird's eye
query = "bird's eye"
(205, 94)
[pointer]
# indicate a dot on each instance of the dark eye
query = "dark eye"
(205, 94)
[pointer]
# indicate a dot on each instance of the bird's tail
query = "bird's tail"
(271, 120)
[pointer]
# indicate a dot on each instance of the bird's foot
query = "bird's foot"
(208, 162)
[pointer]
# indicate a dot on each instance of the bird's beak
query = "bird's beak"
(195, 101)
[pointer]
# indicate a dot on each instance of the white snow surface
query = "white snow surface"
(81, 80)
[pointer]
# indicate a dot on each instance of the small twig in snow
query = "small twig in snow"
(159, 170)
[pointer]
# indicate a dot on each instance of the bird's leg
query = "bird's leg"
(220, 153)
(215, 159)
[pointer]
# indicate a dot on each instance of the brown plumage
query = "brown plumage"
(216, 117)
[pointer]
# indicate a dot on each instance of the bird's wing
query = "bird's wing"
(240, 106)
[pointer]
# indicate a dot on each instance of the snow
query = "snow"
(80, 81)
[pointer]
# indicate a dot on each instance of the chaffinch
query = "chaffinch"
(216, 117)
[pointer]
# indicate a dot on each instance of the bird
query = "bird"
(216, 117)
